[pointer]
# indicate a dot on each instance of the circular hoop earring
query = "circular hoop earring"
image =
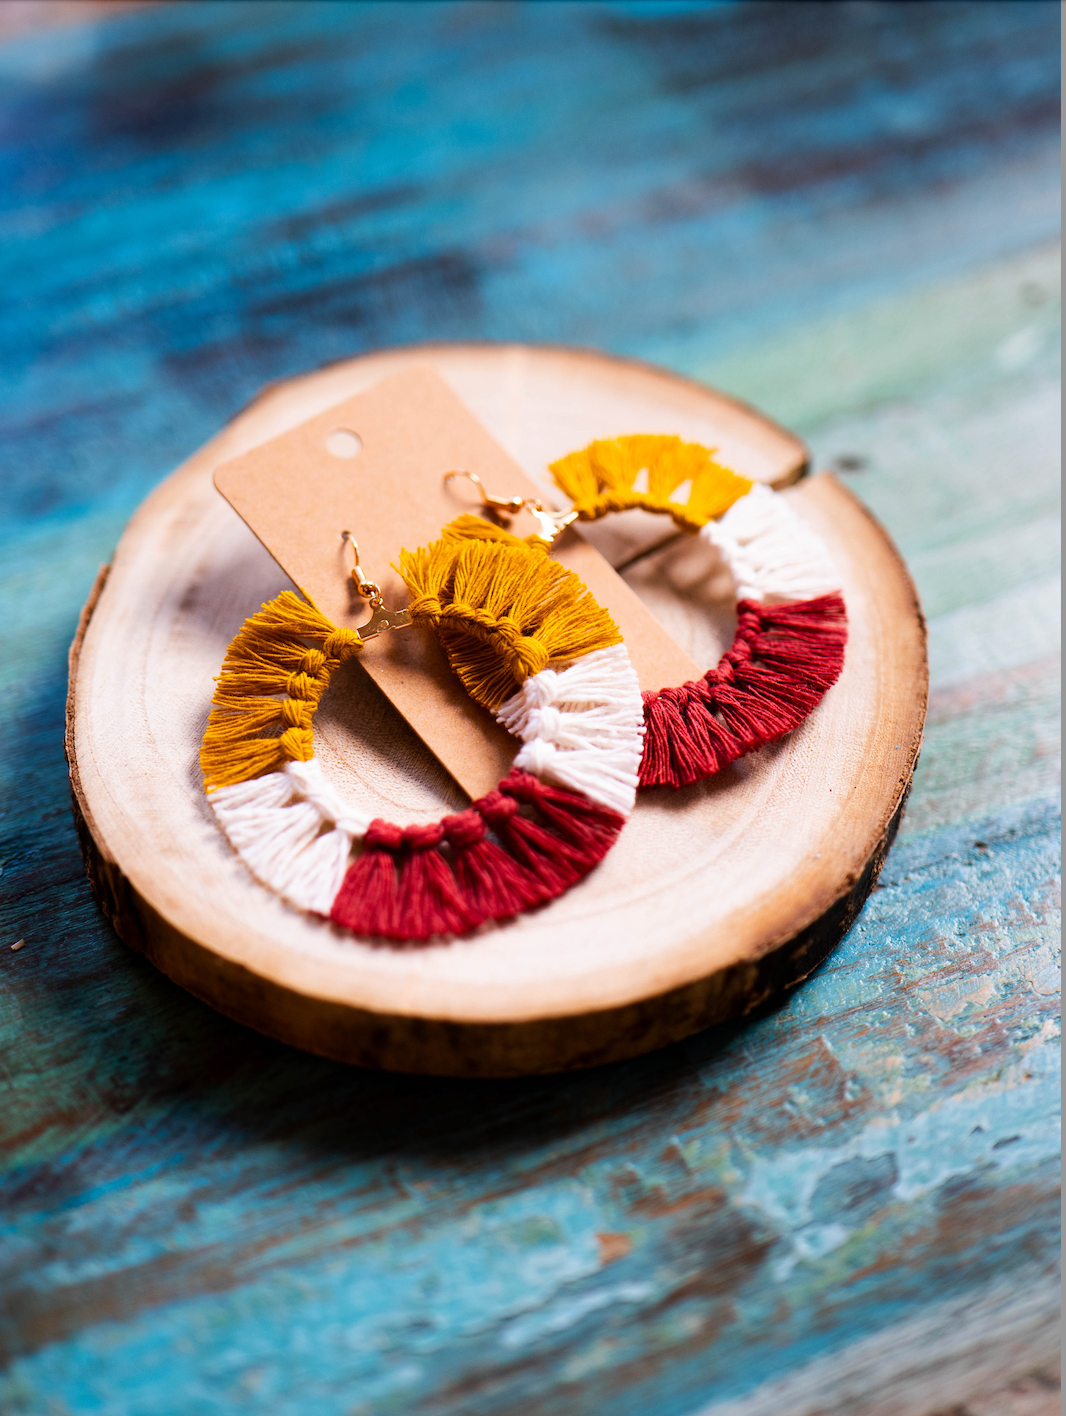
(791, 633)
(530, 643)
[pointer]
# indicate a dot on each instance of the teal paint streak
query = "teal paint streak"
(360, 1232)
(198, 1220)
(207, 197)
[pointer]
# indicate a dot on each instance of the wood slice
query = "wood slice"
(715, 898)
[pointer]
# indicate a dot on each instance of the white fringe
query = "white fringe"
(772, 555)
(275, 824)
(583, 727)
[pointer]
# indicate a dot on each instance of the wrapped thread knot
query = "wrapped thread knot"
(301, 685)
(529, 656)
(313, 663)
(423, 838)
(297, 744)
(342, 644)
(383, 835)
(296, 712)
(496, 808)
(464, 829)
(426, 607)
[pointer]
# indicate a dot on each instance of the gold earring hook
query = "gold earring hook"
(380, 617)
(367, 588)
(510, 504)
(551, 522)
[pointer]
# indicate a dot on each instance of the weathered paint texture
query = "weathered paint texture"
(844, 213)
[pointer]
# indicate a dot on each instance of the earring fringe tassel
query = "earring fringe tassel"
(404, 889)
(782, 661)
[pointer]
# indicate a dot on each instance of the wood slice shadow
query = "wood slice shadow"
(716, 898)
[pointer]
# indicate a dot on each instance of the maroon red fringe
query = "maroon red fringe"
(412, 884)
(408, 888)
(781, 662)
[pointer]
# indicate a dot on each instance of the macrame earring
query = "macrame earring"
(531, 644)
(791, 619)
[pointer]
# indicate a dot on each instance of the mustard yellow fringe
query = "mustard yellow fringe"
(600, 478)
(272, 678)
(477, 528)
(504, 610)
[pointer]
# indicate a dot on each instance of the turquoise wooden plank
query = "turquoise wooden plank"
(846, 213)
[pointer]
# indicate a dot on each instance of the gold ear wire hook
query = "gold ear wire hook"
(508, 504)
(551, 522)
(367, 588)
(380, 617)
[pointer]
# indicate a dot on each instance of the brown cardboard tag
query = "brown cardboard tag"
(375, 464)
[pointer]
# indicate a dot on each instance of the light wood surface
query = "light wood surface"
(714, 898)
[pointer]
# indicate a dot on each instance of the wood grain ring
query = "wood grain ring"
(716, 897)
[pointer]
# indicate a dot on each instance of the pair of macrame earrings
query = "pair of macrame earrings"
(530, 643)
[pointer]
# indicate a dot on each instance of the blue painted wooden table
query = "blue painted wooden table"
(844, 213)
